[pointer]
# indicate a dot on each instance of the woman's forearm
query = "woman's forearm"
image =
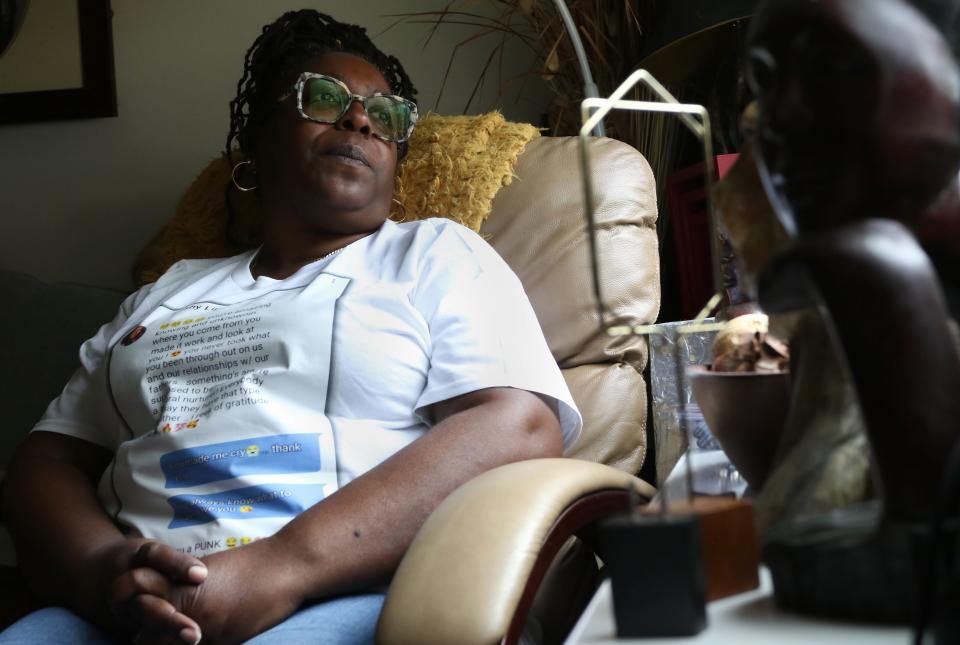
(356, 537)
(57, 522)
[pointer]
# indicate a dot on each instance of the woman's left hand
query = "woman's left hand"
(247, 591)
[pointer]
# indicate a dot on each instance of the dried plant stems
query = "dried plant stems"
(611, 31)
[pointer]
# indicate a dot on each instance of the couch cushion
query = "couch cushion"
(43, 329)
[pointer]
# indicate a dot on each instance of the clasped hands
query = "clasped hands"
(164, 596)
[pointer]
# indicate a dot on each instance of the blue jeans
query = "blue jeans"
(350, 620)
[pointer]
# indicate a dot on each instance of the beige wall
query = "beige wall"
(79, 198)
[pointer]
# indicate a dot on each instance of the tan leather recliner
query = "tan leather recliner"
(473, 572)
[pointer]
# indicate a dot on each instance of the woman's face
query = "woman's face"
(338, 176)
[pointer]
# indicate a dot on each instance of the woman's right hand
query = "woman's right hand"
(72, 553)
(139, 576)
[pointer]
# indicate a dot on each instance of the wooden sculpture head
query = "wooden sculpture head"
(859, 110)
(857, 142)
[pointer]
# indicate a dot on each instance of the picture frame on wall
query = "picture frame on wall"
(56, 60)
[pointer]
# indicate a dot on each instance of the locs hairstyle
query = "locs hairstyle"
(276, 59)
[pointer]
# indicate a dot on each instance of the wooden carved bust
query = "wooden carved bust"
(857, 147)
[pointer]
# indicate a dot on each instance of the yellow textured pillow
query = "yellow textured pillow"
(456, 165)
(454, 168)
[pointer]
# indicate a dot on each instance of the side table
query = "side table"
(747, 618)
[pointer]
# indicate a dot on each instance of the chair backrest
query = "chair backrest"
(538, 226)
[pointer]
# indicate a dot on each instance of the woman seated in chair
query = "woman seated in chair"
(251, 444)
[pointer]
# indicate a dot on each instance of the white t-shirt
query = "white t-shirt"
(232, 403)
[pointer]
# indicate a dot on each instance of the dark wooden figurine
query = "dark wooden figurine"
(857, 147)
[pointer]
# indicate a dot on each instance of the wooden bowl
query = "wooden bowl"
(746, 412)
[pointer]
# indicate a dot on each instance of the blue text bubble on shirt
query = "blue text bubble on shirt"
(273, 454)
(248, 503)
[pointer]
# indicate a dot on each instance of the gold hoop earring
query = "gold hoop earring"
(402, 210)
(233, 177)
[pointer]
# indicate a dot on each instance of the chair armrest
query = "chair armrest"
(471, 573)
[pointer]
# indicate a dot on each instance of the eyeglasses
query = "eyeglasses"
(325, 99)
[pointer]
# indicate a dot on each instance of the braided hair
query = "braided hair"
(277, 56)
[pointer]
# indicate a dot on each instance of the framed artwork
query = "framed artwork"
(56, 60)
